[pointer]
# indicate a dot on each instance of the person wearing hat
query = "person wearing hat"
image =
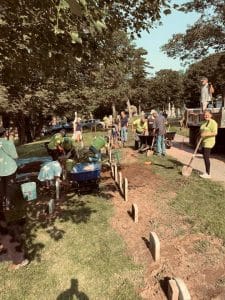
(8, 167)
(54, 147)
(140, 127)
(159, 130)
(77, 132)
(206, 93)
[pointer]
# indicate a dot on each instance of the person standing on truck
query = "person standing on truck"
(208, 131)
(206, 93)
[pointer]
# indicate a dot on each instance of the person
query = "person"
(159, 130)
(54, 146)
(208, 131)
(51, 171)
(77, 132)
(115, 130)
(123, 128)
(106, 122)
(206, 93)
(140, 126)
(69, 146)
(8, 168)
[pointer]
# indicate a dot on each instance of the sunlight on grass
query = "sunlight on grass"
(202, 201)
(79, 254)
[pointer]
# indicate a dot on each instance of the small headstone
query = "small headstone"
(110, 155)
(57, 187)
(51, 206)
(183, 290)
(121, 182)
(154, 246)
(112, 171)
(125, 189)
(135, 212)
(115, 173)
(173, 291)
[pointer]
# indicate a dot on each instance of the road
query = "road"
(182, 152)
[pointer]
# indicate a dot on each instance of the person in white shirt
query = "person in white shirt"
(206, 93)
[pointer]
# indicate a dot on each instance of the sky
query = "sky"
(177, 22)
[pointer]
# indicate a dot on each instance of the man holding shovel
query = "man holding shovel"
(159, 130)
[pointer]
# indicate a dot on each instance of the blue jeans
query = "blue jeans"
(160, 145)
(123, 134)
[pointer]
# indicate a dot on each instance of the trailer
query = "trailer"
(193, 120)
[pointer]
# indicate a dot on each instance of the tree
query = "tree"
(166, 87)
(49, 51)
(205, 36)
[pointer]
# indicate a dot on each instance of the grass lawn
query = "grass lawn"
(76, 255)
(201, 201)
(179, 130)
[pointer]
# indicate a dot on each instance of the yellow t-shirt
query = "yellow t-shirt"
(209, 126)
(140, 127)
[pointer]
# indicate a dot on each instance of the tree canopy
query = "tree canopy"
(205, 36)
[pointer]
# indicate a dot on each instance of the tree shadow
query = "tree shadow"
(70, 209)
(72, 291)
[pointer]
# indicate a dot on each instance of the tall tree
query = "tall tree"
(205, 36)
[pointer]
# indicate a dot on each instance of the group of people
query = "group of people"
(154, 126)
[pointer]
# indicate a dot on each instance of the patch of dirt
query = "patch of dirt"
(196, 258)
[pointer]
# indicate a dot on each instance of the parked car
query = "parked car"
(50, 130)
(91, 123)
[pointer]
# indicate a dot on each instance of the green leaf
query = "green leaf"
(75, 37)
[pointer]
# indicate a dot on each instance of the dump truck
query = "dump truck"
(194, 117)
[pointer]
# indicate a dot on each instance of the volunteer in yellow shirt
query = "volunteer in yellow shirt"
(208, 130)
(141, 128)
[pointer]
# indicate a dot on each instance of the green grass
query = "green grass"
(74, 255)
(38, 149)
(200, 201)
(80, 247)
(179, 130)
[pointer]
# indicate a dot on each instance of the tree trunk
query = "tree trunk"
(129, 108)
(20, 123)
(113, 110)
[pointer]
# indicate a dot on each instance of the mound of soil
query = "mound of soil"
(196, 258)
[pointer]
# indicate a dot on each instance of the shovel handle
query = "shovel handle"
(196, 150)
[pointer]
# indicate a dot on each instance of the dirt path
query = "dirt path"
(196, 258)
(182, 152)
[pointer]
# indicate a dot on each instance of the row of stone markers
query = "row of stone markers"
(177, 290)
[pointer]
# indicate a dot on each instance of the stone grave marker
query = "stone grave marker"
(116, 173)
(135, 212)
(121, 182)
(112, 171)
(183, 290)
(125, 189)
(173, 291)
(154, 246)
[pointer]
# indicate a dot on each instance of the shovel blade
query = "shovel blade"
(186, 171)
(149, 153)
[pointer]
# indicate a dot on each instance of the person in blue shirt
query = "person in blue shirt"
(8, 168)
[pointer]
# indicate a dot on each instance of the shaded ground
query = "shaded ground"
(195, 257)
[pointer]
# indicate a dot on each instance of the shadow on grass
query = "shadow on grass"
(73, 291)
(70, 210)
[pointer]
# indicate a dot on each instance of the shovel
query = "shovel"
(187, 170)
(150, 152)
